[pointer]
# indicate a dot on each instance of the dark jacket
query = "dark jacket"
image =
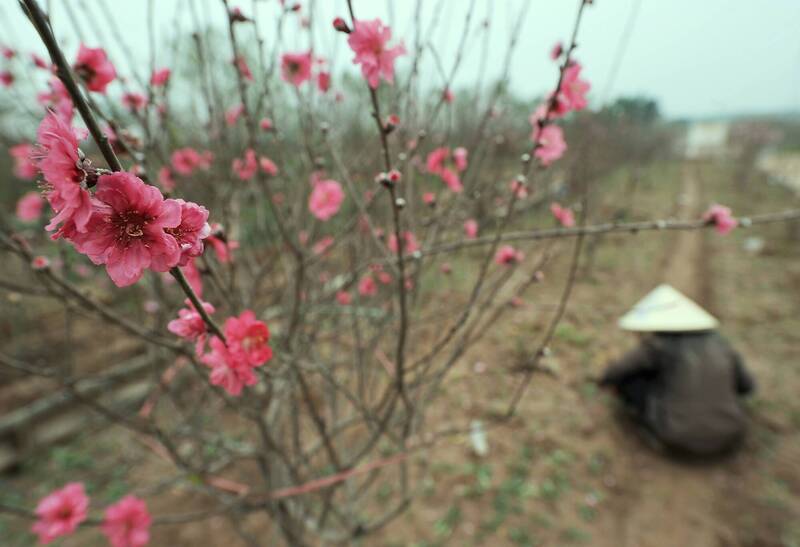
(692, 395)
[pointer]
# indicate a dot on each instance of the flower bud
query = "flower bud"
(340, 25)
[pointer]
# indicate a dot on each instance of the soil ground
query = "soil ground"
(565, 470)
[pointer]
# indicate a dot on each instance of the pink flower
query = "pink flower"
(249, 336)
(436, 159)
(573, 88)
(232, 114)
(94, 68)
(369, 42)
(460, 157)
(191, 231)
(127, 523)
(471, 228)
(222, 247)
(24, 167)
(245, 168)
(343, 298)
(563, 215)
(429, 198)
(409, 243)
(340, 25)
(228, 369)
(192, 276)
(186, 160)
(61, 512)
(134, 101)
(40, 62)
(296, 67)
(508, 255)
(268, 166)
(57, 99)
(40, 262)
(265, 124)
(126, 229)
(6, 78)
(324, 81)
(446, 268)
(452, 180)
(322, 245)
(7, 52)
(325, 199)
(190, 325)
(550, 143)
(519, 189)
(558, 49)
(165, 179)
(447, 95)
(160, 77)
(721, 217)
(241, 65)
(58, 158)
(367, 286)
(29, 207)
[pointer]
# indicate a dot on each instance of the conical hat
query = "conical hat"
(665, 309)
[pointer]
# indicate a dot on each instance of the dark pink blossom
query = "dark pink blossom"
(29, 207)
(296, 67)
(508, 255)
(241, 65)
(343, 298)
(324, 81)
(268, 166)
(134, 101)
(40, 262)
(191, 231)
(265, 124)
(367, 286)
(369, 41)
(160, 77)
(6, 78)
(94, 68)
(127, 523)
(59, 160)
(60, 512)
(7, 52)
(126, 229)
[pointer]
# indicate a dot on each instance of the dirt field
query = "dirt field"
(564, 471)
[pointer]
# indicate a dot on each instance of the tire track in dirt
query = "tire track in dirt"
(666, 503)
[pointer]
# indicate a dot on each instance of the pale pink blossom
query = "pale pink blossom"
(29, 207)
(40, 262)
(367, 286)
(233, 114)
(441, 162)
(24, 167)
(384, 277)
(508, 255)
(222, 247)
(410, 243)
(245, 168)
(127, 523)
(160, 77)
(268, 166)
(322, 245)
(550, 144)
(429, 198)
(60, 512)
(460, 158)
(296, 67)
(265, 124)
(241, 65)
(126, 229)
(57, 99)
(721, 217)
(343, 298)
(94, 68)
(369, 41)
(563, 215)
(574, 88)
(165, 178)
(134, 101)
(186, 160)
(325, 199)
(471, 228)
(190, 325)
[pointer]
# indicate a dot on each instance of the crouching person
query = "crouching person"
(683, 381)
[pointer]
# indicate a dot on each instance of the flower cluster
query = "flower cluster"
(126, 225)
(448, 165)
(126, 523)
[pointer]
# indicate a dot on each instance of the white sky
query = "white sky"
(697, 57)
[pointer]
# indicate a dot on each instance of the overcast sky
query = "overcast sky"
(697, 57)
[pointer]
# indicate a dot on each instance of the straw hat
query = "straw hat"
(665, 309)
